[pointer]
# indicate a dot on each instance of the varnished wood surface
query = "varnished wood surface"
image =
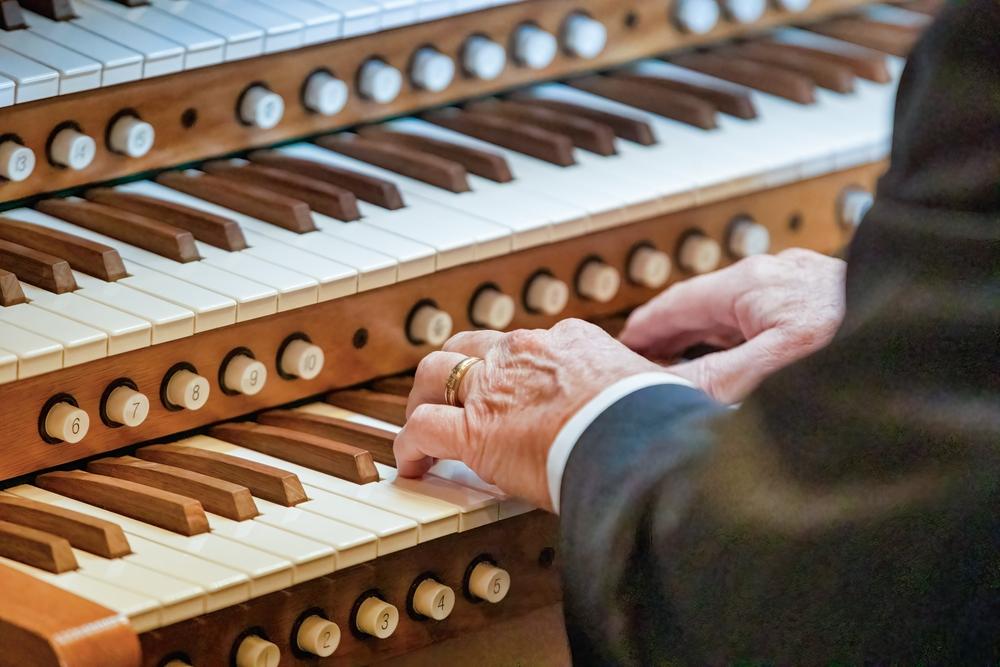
(43, 626)
(96, 536)
(369, 338)
(636, 28)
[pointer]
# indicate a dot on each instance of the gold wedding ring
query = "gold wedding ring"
(454, 383)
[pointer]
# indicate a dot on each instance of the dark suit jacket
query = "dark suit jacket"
(849, 512)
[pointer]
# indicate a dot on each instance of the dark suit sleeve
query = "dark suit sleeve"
(847, 512)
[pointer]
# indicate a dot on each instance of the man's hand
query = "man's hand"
(530, 383)
(771, 310)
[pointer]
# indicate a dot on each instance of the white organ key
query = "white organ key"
(209, 309)
(266, 572)
(124, 332)
(76, 72)
(8, 90)
(35, 354)
(167, 321)
(281, 31)
(398, 13)
(322, 23)
(897, 16)
(118, 63)
(243, 40)
(412, 259)
(34, 81)
(144, 613)
(361, 17)
(430, 10)
(253, 299)
(394, 532)
(478, 509)
(8, 366)
(201, 47)
(80, 343)
(160, 55)
(435, 519)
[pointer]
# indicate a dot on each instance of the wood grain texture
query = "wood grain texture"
(411, 162)
(57, 10)
(11, 293)
(43, 626)
(37, 268)
(762, 76)
(830, 75)
(583, 132)
(387, 407)
(400, 385)
(84, 532)
(36, 548)
(377, 441)
(727, 98)
(636, 29)
(866, 63)
(11, 16)
(644, 92)
(323, 454)
(888, 38)
(479, 162)
(507, 132)
(90, 257)
(625, 127)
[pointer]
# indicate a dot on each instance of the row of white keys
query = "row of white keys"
(32, 80)
(79, 342)
(8, 91)
(242, 39)
(118, 64)
(167, 321)
(35, 354)
(349, 267)
(320, 23)
(453, 471)
(361, 17)
(532, 219)
(8, 366)
(245, 298)
(456, 237)
(160, 55)
(76, 72)
(281, 31)
(124, 332)
(434, 517)
(413, 259)
(201, 47)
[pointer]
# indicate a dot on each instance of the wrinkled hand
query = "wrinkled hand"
(770, 310)
(530, 383)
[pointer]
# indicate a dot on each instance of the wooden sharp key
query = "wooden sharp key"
(724, 96)
(761, 76)
(84, 532)
(929, 7)
(37, 268)
(146, 233)
(864, 62)
(291, 214)
(90, 257)
(656, 99)
(215, 495)
(264, 481)
(11, 293)
(376, 191)
(57, 10)
(214, 230)
(374, 440)
(511, 134)
(36, 548)
(889, 38)
(159, 508)
(584, 133)
(400, 385)
(11, 17)
(387, 407)
(322, 197)
(321, 454)
(635, 130)
(479, 162)
(427, 167)
(832, 76)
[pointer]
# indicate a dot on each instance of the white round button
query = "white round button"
(187, 390)
(66, 422)
(261, 108)
(377, 618)
(696, 16)
(244, 375)
(794, 5)
(379, 81)
(430, 325)
(318, 636)
(492, 309)
(16, 161)
(72, 149)
(699, 254)
(127, 407)
(433, 599)
(584, 37)
(745, 11)
(132, 137)
(432, 70)
(649, 267)
(325, 94)
(483, 58)
(534, 47)
(747, 238)
(598, 281)
(852, 206)
(489, 582)
(302, 359)
(547, 295)
(257, 652)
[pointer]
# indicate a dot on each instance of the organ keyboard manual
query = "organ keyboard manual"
(229, 230)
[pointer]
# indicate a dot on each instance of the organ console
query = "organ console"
(230, 228)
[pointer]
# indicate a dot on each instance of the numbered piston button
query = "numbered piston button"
(66, 422)
(433, 599)
(377, 618)
(318, 636)
(242, 374)
(489, 583)
(302, 359)
(186, 390)
(125, 406)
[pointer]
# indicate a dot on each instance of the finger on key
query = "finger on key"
(432, 432)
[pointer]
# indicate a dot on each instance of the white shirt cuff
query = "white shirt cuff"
(565, 441)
